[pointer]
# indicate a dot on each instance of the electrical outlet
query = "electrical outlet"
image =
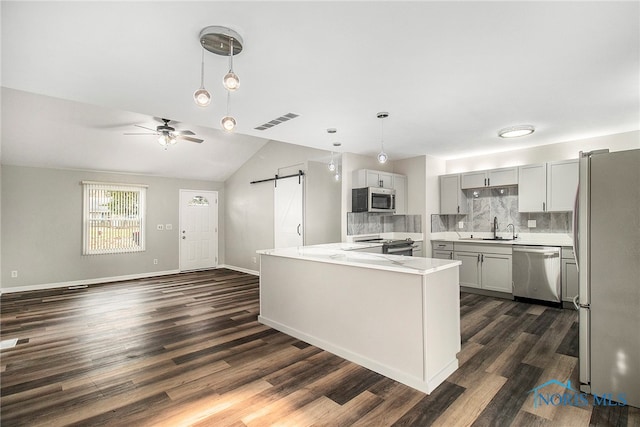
(254, 260)
(155, 260)
(159, 227)
(531, 223)
(14, 273)
(168, 227)
(461, 224)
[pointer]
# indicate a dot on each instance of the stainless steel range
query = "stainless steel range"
(398, 247)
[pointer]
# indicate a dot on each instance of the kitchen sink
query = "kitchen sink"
(500, 239)
(497, 238)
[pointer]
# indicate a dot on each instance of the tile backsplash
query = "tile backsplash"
(371, 223)
(487, 203)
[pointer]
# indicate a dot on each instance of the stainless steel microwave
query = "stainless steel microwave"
(373, 199)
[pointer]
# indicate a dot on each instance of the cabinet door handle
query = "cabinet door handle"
(485, 182)
(482, 258)
(450, 255)
(489, 182)
(478, 258)
(544, 207)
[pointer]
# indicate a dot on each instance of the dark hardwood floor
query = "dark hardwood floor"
(187, 350)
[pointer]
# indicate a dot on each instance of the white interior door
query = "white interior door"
(288, 212)
(198, 229)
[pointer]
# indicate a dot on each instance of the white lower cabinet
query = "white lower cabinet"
(484, 267)
(569, 275)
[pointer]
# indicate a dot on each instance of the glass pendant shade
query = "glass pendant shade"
(202, 97)
(166, 139)
(332, 166)
(231, 81)
(228, 123)
(337, 175)
(382, 157)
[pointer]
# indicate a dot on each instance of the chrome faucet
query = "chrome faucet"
(495, 227)
(513, 231)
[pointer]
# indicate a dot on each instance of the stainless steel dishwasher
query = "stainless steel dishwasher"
(536, 273)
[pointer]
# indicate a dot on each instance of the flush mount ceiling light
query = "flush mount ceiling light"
(382, 156)
(516, 131)
(226, 42)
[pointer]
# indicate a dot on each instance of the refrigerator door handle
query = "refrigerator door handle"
(575, 302)
(584, 344)
(576, 243)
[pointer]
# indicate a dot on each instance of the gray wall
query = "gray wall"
(41, 226)
(249, 212)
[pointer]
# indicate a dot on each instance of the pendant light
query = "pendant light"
(227, 42)
(382, 156)
(202, 96)
(332, 165)
(228, 122)
(231, 81)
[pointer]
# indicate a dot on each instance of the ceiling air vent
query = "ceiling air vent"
(277, 121)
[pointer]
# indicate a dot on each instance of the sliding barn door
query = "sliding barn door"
(289, 212)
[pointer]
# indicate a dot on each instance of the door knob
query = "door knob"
(184, 237)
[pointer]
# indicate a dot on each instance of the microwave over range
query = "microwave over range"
(373, 199)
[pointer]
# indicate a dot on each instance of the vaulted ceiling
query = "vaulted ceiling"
(76, 76)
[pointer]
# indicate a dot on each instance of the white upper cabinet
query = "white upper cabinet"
(370, 178)
(562, 184)
(400, 185)
(452, 198)
(548, 187)
(532, 188)
(490, 178)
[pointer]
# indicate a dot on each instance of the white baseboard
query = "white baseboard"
(240, 269)
(85, 282)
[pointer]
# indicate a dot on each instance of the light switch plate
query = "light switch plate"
(159, 227)
(461, 224)
(531, 223)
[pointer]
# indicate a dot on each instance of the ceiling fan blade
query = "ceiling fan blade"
(183, 132)
(143, 127)
(188, 138)
(140, 133)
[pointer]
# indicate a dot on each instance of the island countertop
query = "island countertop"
(348, 254)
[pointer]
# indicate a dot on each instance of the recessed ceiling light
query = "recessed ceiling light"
(515, 131)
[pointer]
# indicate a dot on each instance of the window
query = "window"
(113, 218)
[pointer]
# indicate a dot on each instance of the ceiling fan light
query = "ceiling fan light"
(165, 140)
(516, 131)
(332, 165)
(202, 97)
(231, 81)
(228, 123)
(382, 157)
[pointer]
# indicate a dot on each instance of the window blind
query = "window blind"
(113, 218)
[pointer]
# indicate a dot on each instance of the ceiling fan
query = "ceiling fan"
(168, 135)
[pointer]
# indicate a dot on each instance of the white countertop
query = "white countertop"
(536, 239)
(342, 253)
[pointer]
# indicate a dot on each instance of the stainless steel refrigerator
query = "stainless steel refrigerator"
(607, 248)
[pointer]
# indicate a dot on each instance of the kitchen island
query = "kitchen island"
(398, 316)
